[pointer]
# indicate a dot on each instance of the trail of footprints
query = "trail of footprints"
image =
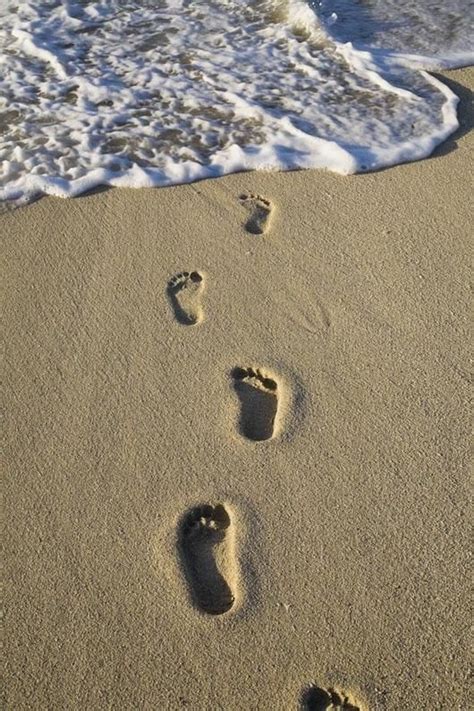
(206, 535)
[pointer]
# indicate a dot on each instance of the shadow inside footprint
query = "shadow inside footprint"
(259, 403)
(208, 557)
(260, 211)
(317, 699)
(184, 291)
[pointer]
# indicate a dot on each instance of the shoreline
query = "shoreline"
(145, 177)
(346, 545)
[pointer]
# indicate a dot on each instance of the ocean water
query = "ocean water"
(159, 92)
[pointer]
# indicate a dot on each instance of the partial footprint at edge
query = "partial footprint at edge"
(258, 395)
(318, 699)
(260, 211)
(207, 548)
(185, 292)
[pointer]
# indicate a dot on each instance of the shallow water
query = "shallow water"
(156, 93)
(442, 31)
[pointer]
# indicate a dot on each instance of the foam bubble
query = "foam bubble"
(170, 91)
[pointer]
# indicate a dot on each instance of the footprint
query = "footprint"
(207, 550)
(184, 291)
(318, 699)
(258, 396)
(260, 211)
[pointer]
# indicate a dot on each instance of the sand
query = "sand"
(236, 460)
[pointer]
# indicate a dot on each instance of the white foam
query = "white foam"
(165, 92)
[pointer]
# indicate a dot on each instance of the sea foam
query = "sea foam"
(162, 92)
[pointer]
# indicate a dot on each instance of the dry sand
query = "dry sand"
(332, 545)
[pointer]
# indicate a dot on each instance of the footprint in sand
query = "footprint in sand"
(318, 699)
(258, 396)
(185, 291)
(206, 544)
(260, 211)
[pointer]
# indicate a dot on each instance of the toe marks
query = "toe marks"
(205, 519)
(258, 379)
(317, 698)
(179, 281)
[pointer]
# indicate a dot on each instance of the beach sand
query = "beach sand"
(333, 543)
